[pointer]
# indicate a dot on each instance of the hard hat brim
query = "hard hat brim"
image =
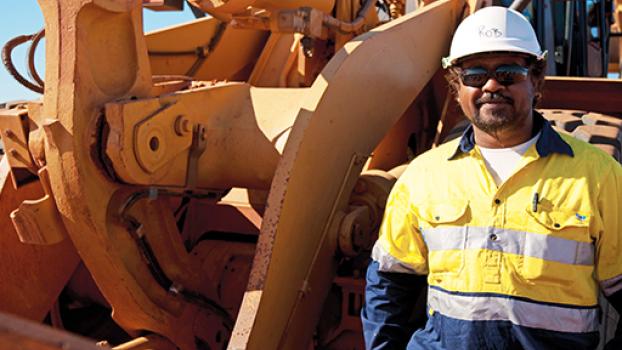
(502, 49)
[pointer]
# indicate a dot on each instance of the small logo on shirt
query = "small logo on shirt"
(580, 217)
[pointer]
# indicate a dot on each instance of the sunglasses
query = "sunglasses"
(505, 75)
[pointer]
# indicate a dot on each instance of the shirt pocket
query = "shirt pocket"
(556, 237)
(444, 230)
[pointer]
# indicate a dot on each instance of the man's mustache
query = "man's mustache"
(492, 97)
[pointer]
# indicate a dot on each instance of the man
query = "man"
(515, 227)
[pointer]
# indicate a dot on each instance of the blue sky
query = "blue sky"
(24, 17)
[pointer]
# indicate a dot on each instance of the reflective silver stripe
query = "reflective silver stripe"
(611, 285)
(534, 245)
(445, 238)
(519, 312)
(388, 263)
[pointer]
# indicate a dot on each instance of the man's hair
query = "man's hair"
(537, 69)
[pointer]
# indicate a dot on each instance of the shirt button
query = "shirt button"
(497, 201)
(493, 237)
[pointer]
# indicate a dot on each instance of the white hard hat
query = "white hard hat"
(493, 29)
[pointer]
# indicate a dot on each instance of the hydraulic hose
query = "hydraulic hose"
(7, 50)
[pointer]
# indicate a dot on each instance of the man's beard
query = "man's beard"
(499, 119)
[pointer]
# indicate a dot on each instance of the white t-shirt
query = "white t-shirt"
(502, 162)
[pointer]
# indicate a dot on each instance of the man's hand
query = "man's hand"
(389, 301)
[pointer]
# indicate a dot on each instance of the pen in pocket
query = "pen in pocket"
(534, 203)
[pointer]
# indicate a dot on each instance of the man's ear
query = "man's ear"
(537, 97)
(538, 84)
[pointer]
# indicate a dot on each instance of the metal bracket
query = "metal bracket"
(199, 143)
(155, 140)
(38, 221)
(304, 20)
(14, 137)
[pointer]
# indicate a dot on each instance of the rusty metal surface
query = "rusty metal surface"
(293, 264)
(589, 94)
(242, 130)
(33, 275)
(173, 51)
(127, 236)
(13, 123)
(426, 121)
(37, 221)
(277, 60)
(229, 264)
(78, 84)
(349, 330)
(239, 212)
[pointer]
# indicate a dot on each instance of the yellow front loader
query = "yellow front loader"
(218, 184)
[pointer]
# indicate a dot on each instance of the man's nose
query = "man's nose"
(491, 85)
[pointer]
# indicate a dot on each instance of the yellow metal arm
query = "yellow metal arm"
(244, 128)
(363, 90)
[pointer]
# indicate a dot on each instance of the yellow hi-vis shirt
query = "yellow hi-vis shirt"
(534, 251)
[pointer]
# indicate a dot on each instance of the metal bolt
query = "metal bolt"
(9, 133)
(13, 153)
(307, 46)
(182, 125)
(176, 289)
(153, 193)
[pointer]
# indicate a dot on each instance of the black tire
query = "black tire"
(603, 131)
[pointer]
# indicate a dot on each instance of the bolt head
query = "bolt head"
(182, 125)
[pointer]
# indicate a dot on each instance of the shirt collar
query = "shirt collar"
(549, 141)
